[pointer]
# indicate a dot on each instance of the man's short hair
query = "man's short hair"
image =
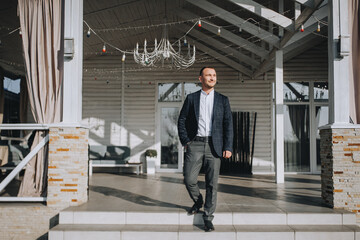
(202, 69)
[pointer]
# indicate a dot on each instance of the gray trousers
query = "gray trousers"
(197, 154)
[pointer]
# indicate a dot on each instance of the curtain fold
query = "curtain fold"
(40, 23)
(354, 76)
(297, 152)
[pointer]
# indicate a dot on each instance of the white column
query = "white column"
(338, 64)
(297, 10)
(279, 117)
(72, 86)
(313, 129)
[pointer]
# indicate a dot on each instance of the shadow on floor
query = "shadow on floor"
(282, 193)
(134, 198)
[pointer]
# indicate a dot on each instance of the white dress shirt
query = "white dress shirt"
(205, 114)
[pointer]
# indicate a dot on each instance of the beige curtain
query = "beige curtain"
(40, 22)
(354, 60)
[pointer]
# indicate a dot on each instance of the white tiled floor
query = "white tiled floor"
(166, 192)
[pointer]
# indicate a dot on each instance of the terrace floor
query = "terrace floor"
(166, 192)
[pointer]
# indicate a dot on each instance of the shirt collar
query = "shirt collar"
(210, 94)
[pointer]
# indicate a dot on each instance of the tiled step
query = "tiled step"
(185, 232)
(227, 218)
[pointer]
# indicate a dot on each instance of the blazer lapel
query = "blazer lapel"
(197, 104)
(216, 103)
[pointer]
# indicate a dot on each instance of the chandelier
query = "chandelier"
(165, 54)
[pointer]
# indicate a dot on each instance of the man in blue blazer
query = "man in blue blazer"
(206, 131)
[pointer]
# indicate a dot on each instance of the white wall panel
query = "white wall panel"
(102, 99)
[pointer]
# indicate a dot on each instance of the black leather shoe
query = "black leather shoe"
(196, 207)
(208, 226)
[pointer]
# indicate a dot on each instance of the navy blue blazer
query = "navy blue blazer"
(222, 125)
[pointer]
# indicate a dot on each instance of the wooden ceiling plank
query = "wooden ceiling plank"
(304, 16)
(237, 21)
(266, 13)
(221, 58)
(223, 47)
(231, 37)
(307, 3)
(309, 26)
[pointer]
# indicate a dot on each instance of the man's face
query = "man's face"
(208, 78)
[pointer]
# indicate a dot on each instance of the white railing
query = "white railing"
(24, 162)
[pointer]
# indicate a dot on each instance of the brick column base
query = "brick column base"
(340, 168)
(68, 167)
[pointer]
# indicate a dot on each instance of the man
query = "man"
(206, 131)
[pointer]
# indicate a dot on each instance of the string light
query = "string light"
(198, 22)
(88, 33)
(173, 23)
(318, 27)
(123, 58)
(20, 33)
(104, 48)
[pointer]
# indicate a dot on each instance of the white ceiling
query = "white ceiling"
(123, 23)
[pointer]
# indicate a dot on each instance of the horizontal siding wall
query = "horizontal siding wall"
(253, 96)
(102, 103)
(311, 65)
(102, 99)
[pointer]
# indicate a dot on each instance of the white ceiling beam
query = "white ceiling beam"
(299, 47)
(229, 36)
(221, 58)
(296, 49)
(223, 47)
(307, 3)
(310, 25)
(237, 21)
(305, 15)
(266, 13)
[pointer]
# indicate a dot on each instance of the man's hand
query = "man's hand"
(226, 154)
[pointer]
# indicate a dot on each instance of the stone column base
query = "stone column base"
(68, 167)
(340, 168)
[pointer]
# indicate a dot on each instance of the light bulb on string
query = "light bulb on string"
(20, 33)
(219, 32)
(302, 28)
(318, 27)
(123, 58)
(185, 41)
(88, 33)
(240, 29)
(199, 23)
(104, 48)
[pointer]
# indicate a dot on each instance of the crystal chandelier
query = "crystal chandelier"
(165, 53)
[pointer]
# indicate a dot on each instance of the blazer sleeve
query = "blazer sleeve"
(184, 113)
(228, 130)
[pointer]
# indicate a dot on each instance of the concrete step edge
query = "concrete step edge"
(179, 232)
(236, 218)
